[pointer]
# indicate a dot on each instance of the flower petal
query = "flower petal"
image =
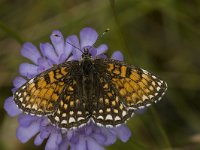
(92, 50)
(68, 48)
(45, 131)
(80, 145)
(49, 52)
(26, 133)
(101, 49)
(110, 138)
(31, 52)
(88, 37)
(58, 41)
(101, 56)
(38, 140)
(64, 145)
(100, 138)
(74, 42)
(123, 132)
(92, 144)
(18, 82)
(26, 120)
(28, 70)
(44, 64)
(11, 107)
(117, 55)
(53, 141)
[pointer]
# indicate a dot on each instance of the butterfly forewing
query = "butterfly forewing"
(136, 87)
(40, 95)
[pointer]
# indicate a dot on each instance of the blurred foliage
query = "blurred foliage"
(162, 36)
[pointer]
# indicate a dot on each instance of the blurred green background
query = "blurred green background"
(162, 36)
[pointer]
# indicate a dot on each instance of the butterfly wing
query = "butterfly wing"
(40, 95)
(108, 111)
(71, 111)
(136, 87)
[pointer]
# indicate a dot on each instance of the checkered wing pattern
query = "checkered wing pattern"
(135, 86)
(109, 110)
(40, 95)
(71, 111)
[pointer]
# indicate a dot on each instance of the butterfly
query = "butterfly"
(102, 90)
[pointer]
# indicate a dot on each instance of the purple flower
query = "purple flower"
(88, 137)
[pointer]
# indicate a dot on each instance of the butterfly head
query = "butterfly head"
(86, 53)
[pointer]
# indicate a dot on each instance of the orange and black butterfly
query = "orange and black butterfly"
(104, 91)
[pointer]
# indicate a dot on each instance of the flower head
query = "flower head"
(59, 50)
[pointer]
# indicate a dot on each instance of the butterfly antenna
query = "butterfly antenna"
(100, 36)
(74, 46)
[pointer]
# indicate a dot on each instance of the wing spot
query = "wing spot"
(105, 86)
(154, 83)
(31, 81)
(120, 106)
(117, 118)
(27, 98)
(64, 115)
(100, 117)
(148, 104)
(65, 106)
(71, 112)
(101, 100)
(116, 111)
(58, 111)
(151, 88)
(124, 113)
(113, 103)
(72, 103)
(29, 106)
(151, 96)
(23, 87)
(108, 110)
(70, 88)
(71, 120)
(57, 118)
(109, 117)
(141, 107)
(107, 101)
(158, 88)
(80, 118)
(64, 122)
(159, 83)
(145, 72)
(154, 77)
(79, 113)
(123, 71)
(117, 99)
(144, 97)
(128, 87)
(61, 103)
(122, 92)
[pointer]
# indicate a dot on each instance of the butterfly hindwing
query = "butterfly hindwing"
(71, 111)
(109, 110)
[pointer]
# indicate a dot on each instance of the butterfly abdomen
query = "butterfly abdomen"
(87, 69)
